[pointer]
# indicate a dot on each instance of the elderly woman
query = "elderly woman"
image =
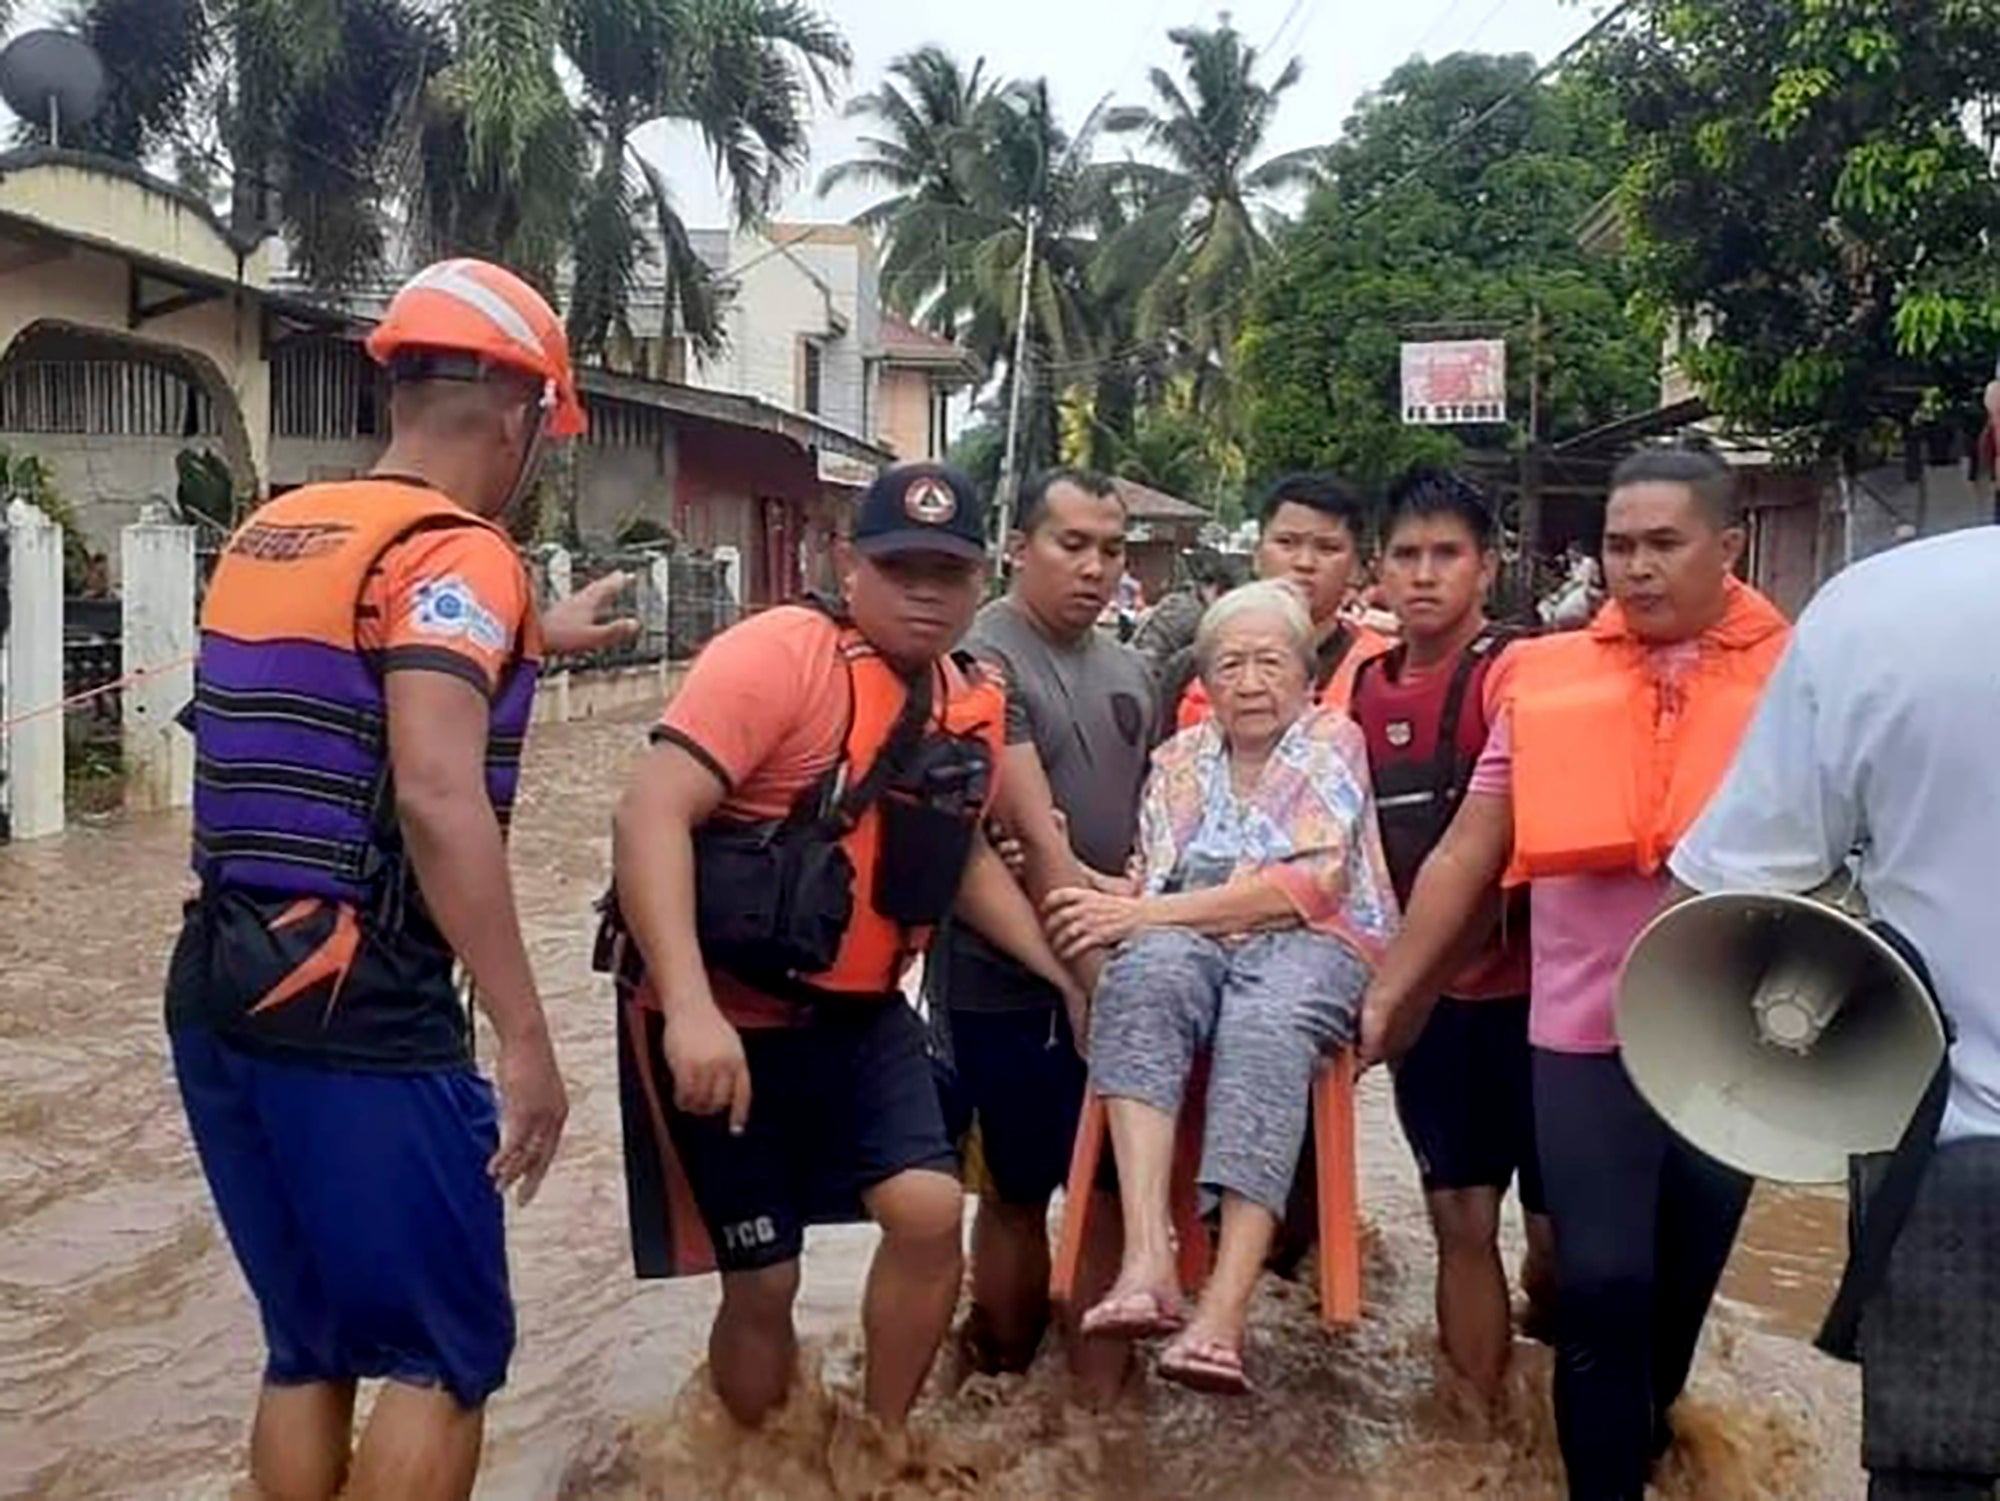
(1261, 900)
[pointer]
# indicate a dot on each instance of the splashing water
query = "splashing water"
(129, 1350)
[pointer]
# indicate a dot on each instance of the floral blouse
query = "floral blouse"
(1309, 826)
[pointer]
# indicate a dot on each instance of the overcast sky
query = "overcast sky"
(1086, 47)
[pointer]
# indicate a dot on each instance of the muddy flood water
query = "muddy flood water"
(129, 1350)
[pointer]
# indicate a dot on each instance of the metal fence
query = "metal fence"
(93, 659)
(695, 606)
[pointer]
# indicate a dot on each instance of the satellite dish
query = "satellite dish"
(54, 77)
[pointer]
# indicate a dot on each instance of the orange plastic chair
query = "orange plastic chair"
(1333, 1137)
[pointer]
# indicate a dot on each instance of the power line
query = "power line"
(1473, 36)
(1450, 144)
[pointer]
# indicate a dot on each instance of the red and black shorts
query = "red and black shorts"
(838, 1105)
(1465, 1094)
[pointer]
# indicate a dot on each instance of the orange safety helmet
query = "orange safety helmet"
(482, 310)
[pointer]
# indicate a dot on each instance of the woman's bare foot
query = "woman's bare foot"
(1205, 1363)
(1140, 1305)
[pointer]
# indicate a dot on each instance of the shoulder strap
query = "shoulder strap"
(894, 755)
(1879, 1216)
(1444, 766)
(1332, 653)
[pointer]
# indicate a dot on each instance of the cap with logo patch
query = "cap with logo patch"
(921, 508)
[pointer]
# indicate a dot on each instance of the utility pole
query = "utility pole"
(1531, 466)
(1010, 479)
(1010, 464)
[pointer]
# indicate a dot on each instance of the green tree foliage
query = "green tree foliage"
(488, 127)
(1197, 237)
(284, 106)
(29, 477)
(1813, 191)
(1483, 233)
(504, 147)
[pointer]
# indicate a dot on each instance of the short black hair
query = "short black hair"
(1033, 509)
(1320, 491)
(1701, 470)
(1428, 494)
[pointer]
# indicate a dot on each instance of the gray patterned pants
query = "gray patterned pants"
(1264, 1009)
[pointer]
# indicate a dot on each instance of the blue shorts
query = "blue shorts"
(360, 1209)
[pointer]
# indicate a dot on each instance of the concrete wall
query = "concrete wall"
(88, 289)
(818, 283)
(92, 203)
(620, 485)
(108, 480)
(305, 461)
(844, 259)
(776, 303)
(1889, 506)
(904, 420)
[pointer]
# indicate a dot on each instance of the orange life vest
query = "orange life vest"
(1336, 688)
(967, 703)
(1613, 761)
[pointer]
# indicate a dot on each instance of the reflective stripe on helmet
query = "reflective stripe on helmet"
(455, 279)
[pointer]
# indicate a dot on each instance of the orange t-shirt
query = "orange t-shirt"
(449, 600)
(765, 707)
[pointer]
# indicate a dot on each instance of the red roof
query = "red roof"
(903, 343)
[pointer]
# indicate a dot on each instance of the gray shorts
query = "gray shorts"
(1265, 1009)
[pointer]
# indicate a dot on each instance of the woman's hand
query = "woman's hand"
(1082, 920)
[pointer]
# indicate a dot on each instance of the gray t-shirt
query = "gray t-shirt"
(1088, 710)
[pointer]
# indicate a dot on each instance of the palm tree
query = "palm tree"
(927, 117)
(340, 121)
(971, 163)
(286, 103)
(1198, 239)
(503, 149)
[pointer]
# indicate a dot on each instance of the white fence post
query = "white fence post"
(556, 581)
(34, 718)
(158, 576)
(732, 577)
(660, 609)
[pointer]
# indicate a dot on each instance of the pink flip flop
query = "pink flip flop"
(1205, 1366)
(1138, 1315)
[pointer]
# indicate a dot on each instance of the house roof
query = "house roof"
(903, 343)
(1144, 503)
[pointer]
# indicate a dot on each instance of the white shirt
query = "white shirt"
(1880, 732)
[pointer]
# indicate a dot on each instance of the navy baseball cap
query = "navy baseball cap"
(921, 508)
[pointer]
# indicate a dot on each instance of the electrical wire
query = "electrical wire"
(1444, 148)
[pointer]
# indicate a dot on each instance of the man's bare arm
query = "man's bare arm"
(670, 794)
(1453, 893)
(438, 725)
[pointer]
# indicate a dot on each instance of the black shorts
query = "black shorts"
(1465, 1095)
(837, 1106)
(1017, 1076)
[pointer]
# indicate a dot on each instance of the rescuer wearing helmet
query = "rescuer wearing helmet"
(368, 659)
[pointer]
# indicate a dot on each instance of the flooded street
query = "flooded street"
(129, 1351)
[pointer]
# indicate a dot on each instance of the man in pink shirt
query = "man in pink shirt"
(1587, 798)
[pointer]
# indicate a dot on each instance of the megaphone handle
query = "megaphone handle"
(1880, 1219)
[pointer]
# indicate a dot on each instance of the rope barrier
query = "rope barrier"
(139, 675)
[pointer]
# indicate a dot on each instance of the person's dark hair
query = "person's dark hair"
(1712, 482)
(1427, 494)
(1328, 494)
(1034, 507)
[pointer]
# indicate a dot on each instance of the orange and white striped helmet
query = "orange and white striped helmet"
(476, 308)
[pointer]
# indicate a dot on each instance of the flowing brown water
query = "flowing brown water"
(129, 1349)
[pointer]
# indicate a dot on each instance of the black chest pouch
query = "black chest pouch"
(930, 815)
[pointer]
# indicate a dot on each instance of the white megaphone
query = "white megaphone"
(1779, 1034)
